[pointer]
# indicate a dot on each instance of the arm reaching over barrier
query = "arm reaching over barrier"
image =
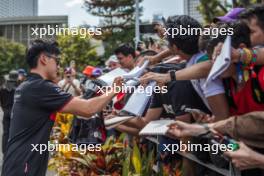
(181, 129)
(246, 158)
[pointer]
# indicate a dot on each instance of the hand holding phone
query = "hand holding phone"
(200, 116)
(227, 141)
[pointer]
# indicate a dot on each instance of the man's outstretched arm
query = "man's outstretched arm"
(87, 108)
(157, 58)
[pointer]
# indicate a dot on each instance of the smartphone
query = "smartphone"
(197, 111)
(219, 139)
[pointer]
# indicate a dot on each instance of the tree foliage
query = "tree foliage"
(80, 49)
(118, 20)
(12, 56)
(214, 8)
(117, 14)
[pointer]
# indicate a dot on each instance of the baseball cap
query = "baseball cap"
(88, 70)
(112, 58)
(22, 71)
(97, 72)
(68, 70)
(158, 20)
(231, 16)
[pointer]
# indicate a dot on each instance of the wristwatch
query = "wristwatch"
(172, 75)
(206, 128)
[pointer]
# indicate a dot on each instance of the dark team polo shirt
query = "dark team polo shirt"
(35, 101)
(180, 94)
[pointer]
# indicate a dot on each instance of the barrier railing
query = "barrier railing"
(231, 172)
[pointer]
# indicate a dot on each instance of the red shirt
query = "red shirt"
(244, 100)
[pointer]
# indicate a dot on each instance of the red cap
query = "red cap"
(88, 70)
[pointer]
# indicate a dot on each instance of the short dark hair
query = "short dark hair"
(241, 35)
(126, 50)
(255, 11)
(187, 43)
(203, 40)
(39, 46)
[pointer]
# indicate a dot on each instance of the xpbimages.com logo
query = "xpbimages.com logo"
(209, 31)
(50, 147)
(148, 90)
(191, 147)
(51, 31)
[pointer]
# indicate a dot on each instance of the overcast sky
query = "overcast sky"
(77, 15)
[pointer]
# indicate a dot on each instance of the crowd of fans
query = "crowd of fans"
(233, 103)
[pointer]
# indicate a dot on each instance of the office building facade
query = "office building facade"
(21, 29)
(15, 8)
(190, 8)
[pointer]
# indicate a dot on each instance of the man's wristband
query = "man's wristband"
(172, 75)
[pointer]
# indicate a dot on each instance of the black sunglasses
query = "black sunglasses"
(57, 59)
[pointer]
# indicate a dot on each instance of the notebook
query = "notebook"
(132, 78)
(115, 121)
(136, 72)
(222, 62)
(132, 82)
(139, 99)
(109, 77)
(156, 127)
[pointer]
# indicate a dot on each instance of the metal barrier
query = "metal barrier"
(231, 172)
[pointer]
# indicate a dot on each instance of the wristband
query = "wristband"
(207, 130)
(248, 56)
(172, 75)
(206, 127)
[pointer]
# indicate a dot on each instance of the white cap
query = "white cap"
(112, 58)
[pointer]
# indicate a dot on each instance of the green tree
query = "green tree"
(118, 20)
(112, 41)
(214, 8)
(12, 56)
(78, 48)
